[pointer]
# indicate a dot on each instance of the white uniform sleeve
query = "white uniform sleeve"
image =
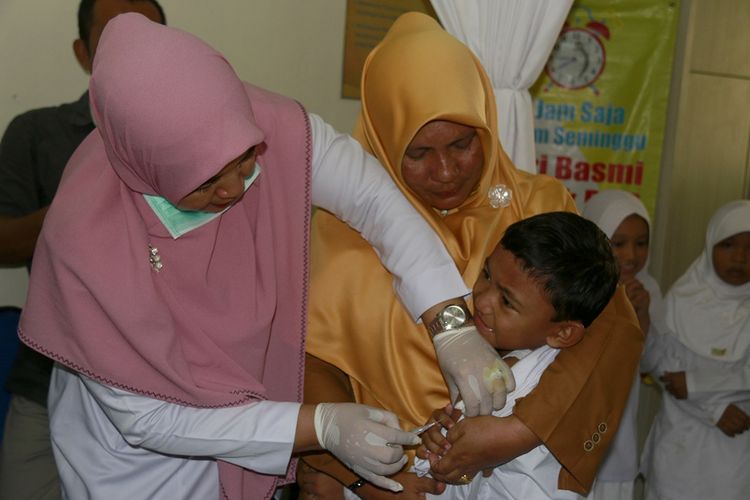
(726, 390)
(714, 404)
(351, 184)
(730, 378)
(258, 436)
(712, 387)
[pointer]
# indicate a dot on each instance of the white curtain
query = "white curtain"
(513, 39)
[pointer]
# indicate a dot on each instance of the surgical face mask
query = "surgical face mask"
(179, 222)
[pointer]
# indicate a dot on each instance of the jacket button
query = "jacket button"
(602, 428)
(588, 445)
(596, 438)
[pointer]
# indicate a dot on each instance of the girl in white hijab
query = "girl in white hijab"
(625, 221)
(698, 447)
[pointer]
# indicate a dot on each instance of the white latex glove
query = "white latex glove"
(366, 439)
(474, 370)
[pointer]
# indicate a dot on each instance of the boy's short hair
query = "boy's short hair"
(571, 257)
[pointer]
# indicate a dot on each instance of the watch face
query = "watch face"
(453, 316)
(577, 59)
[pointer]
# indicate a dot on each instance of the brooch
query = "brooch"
(500, 196)
(154, 258)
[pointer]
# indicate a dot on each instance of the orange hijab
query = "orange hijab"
(417, 74)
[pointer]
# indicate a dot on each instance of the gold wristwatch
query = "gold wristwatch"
(451, 317)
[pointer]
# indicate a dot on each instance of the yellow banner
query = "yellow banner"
(600, 105)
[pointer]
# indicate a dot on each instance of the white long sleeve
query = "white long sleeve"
(713, 404)
(350, 183)
(258, 436)
(727, 378)
(110, 443)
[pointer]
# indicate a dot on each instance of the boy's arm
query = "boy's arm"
(481, 443)
(576, 408)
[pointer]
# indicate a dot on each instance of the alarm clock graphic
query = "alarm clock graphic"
(579, 56)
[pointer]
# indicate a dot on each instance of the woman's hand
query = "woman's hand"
(317, 485)
(367, 440)
(675, 384)
(640, 300)
(733, 421)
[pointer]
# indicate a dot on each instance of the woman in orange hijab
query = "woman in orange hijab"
(428, 114)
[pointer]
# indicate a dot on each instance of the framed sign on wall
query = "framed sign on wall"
(367, 22)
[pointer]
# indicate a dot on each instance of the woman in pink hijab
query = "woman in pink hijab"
(170, 280)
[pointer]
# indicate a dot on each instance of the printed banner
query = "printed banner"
(367, 22)
(600, 105)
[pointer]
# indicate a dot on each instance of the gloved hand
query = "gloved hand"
(366, 439)
(474, 370)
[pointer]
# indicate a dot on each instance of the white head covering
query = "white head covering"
(709, 316)
(607, 209)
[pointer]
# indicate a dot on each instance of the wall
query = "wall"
(293, 47)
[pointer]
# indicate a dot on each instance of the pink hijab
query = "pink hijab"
(223, 322)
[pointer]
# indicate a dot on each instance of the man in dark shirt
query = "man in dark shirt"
(33, 152)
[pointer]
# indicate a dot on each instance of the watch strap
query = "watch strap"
(435, 326)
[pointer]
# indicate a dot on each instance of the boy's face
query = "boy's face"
(512, 311)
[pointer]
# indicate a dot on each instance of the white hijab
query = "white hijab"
(607, 209)
(709, 316)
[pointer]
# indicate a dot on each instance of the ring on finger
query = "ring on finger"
(464, 479)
